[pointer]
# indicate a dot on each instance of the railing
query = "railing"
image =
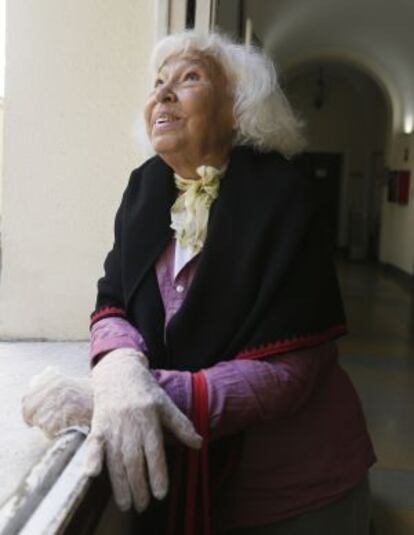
(56, 497)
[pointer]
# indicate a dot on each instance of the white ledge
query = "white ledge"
(50, 493)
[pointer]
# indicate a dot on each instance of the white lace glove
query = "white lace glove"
(130, 409)
(55, 401)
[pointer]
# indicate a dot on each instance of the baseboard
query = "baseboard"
(401, 275)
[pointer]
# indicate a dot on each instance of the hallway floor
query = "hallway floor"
(379, 356)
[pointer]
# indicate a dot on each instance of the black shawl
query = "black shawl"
(265, 282)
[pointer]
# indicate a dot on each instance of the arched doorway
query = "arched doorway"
(347, 120)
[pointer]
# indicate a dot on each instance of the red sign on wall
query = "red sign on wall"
(403, 187)
(399, 186)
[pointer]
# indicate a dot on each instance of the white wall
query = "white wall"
(397, 229)
(1, 156)
(76, 80)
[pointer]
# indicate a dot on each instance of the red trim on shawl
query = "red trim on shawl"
(297, 342)
(198, 459)
(107, 311)
(204, 420)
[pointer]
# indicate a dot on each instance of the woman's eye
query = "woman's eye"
(158, 82)
(191, 76)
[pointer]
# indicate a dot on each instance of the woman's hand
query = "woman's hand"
(130, 410)
(55, 401)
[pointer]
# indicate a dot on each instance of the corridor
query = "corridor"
(379, 356)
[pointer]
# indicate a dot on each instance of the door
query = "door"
(324, 169)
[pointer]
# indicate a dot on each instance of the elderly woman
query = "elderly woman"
(218, 309)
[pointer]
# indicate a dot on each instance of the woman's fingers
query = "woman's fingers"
(28, 409)
(134, 461)
(35, 400)
(129, 454)
(156, 461)
(118, 474)
(179, 424)
(49, 422)
(94, 454)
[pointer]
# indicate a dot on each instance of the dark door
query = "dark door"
(324, 169)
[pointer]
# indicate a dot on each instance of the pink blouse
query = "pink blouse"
(305, 441)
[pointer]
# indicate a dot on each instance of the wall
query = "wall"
(397, 229)
(76, 81)
(352, 122)
(228, 18)
(1, 154)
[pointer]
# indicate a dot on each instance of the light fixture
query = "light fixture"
(408, 124)
(320, 95)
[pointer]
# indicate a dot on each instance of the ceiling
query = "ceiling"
(373, 36)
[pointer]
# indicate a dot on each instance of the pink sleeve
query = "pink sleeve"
(245, 392)
(113, 333)
(177, 385)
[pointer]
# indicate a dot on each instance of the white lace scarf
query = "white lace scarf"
(190, 212)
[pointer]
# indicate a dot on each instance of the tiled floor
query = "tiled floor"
(379, 356)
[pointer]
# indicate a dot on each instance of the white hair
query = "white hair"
(263, 115)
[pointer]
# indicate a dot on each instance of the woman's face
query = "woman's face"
(190, 110)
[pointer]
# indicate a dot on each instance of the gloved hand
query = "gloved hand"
(130, 410)
(55, 401)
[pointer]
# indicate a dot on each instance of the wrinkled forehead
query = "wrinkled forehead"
(191, 59)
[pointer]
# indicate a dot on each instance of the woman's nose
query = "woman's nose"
(165, 93)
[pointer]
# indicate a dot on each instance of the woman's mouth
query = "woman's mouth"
(166, 121)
